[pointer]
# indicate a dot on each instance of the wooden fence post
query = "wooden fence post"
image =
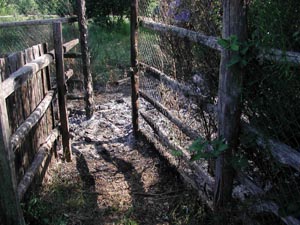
(10, 209)
(134, 66)
(229, 104)
(62, 89)
(86, 64)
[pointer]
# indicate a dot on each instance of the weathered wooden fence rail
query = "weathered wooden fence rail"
(28, 126)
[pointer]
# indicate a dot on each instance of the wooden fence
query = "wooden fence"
(29, 126)
(217, 190)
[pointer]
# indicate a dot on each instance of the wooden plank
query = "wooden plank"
(43, 152)
(11, 213)
(86, 64)
(61, 86)
(209, 41)
(31, 121)
(38, 22)
(229, 101)
(134, 66)
(184, 128)
(24, 73)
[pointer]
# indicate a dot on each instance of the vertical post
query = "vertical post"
(86, 64)
(134, 66)
(229, 104)
(62, 89)
(11, 213)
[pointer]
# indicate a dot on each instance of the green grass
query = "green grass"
(110, 51)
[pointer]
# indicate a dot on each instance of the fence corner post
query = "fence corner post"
(229, 105)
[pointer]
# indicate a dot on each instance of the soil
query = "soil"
(114, 179)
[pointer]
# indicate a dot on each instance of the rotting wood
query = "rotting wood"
(11, 213)
(193, 36)
(86, 63)
(184, 128)
(43, 152)
(39, 22)
(134, 66)
(229, 101)
(171, 83)
(24, 129)
(61, 86)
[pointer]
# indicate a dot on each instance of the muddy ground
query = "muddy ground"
(113, 179)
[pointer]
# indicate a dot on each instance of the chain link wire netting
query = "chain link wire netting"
(18, 38)
(269, 189)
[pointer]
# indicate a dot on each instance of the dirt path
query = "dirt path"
(113, 179)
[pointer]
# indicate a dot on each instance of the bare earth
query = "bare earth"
(113, 179)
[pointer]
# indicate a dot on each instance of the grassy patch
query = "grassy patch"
(110, 51)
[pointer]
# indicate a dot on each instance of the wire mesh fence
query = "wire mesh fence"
(267, 182)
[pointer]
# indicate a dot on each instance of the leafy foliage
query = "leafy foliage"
(203, 149)
(104, 12)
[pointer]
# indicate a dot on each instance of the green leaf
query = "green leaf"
(224, 43)
(197, 145)
(176, 153)
(234, 47)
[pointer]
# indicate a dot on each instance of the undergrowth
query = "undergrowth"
(110, 51)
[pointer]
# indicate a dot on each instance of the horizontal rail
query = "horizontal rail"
(39, 158)
(280, 151)
(280, 56)
(71, 19)
(72, 55)
(171, 83)
(24, 129)
(18, 78)
(181, 167)
(204, 179)
(184, 128)
(193, 36)
(272, 54)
